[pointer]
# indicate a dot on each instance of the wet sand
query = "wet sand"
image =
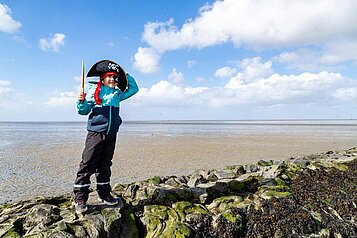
(32, 170)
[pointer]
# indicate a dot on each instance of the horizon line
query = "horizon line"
(193, 120)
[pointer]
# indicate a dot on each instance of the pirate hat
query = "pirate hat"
(105, 66)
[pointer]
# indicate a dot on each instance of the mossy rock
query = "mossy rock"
(237, 186)
(3, 207)
(119, 188)
(248, 185)
(12, 233)
(112, 221)
(128, 228)
(339, 166)
(154, 180)
(278, 194)
(265, 163)
(289, 169)
(279, 182)
(224, 203)
(268, 192)
(163, 221)
(76, 230)
(229, 216)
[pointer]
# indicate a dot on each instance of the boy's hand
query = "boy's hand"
(81, 96)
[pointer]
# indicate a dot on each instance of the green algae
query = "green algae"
(12, 233)
(238, 186)
(181, 208)
(3, 207)
(159, 211)
(290, 170)
(110, 215)
(265, 163)
(229, 199)
(339, 166)
(62, 226)
(230, 217)
(278, 194)
(163, 221)
(154, 180)
(279, 182)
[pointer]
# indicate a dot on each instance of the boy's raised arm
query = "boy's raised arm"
(131, 90)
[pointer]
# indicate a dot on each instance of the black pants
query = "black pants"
(96, 158)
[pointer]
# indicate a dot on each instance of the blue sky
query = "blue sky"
(231, 59)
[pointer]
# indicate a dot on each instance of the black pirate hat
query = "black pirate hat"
(105, 66)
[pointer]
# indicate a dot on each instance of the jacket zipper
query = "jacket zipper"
(110, 119)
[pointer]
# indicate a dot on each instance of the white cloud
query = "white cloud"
(339, 51)
(286, 89)
(304, 59)
(326, 57)
(191, 63)
(225, 72)
(167, 94)
(255, 85)
(200, 79)
(175, 77)
(257, 24)
(53, 42)
(5, 87)
(346, 94)
(146, 60)
(7, 23)
(20, 39)
(62, 98)
(253, 68)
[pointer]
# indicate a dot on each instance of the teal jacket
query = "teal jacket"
(104, 118)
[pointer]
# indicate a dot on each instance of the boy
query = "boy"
(102, 102)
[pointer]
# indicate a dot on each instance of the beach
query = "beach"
(44, 162)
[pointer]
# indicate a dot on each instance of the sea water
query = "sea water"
(54, 133)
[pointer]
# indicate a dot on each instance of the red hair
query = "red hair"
(96, 93)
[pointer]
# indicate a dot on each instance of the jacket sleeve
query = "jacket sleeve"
(83, 108)
(131, 90)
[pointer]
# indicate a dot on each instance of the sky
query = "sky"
(193, 60)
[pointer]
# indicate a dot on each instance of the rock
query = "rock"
(168, 196)
(271, 171)
(236, 170)
(182, 179)
(224, 174)
(128, 228)
(162, 221)
(131, 191)
(251, 168)
(197, 178)
(174, 182)
(41, 215)
(265, 163)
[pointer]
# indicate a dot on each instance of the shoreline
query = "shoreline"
(39, 169)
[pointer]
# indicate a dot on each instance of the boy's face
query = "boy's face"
(109, 81)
